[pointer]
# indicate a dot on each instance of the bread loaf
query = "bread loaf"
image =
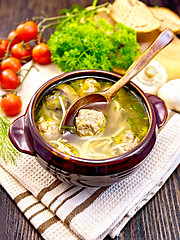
(167, 18)
(134, 14)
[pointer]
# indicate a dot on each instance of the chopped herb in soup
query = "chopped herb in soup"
(96, 135)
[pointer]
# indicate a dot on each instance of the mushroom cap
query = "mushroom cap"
(170, 93)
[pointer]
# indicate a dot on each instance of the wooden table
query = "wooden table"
(158, 219)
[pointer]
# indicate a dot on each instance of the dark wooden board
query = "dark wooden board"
(158, 219)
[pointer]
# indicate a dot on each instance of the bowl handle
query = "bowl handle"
(160, 109)
(20, 136)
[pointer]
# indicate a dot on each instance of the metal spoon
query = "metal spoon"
(98, 100)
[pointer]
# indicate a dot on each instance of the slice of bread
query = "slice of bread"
(101, 13)
(167, 18)
(134, 14)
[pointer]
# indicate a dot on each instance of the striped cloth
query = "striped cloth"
(63, 212)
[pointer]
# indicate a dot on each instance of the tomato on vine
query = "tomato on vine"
(3, 47)
(22, 51)
(14, 37)
(41, 54)
(11, 63)
(9, 79)
(27, 31)
(11, 104)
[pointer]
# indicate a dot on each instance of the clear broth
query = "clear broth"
(127, 120)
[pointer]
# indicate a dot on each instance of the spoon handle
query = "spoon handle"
(161, 41)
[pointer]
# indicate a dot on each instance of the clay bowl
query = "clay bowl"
(86, 172)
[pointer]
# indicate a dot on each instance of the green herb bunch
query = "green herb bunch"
(7, 150)
(81, 43)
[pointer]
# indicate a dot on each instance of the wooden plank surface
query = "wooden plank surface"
(158, 219)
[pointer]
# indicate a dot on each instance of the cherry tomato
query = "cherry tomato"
(11, 104)
(21, 51)
(41, 54)
(13, 35)
(9, 79)
(11, 63)
(27, 31)
(3, 47)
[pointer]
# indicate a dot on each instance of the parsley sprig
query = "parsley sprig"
(81, 42)
(88, 45)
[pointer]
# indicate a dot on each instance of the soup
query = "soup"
(96, 135)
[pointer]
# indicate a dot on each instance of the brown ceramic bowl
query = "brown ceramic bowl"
(26, 138)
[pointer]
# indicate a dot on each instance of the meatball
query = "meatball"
(90, 122)
(90, 85)
(48, 128)
(128, 142)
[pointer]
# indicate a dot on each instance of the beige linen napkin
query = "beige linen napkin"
(62, 211)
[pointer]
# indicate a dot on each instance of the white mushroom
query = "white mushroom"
(151, 78)
(170, 93)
